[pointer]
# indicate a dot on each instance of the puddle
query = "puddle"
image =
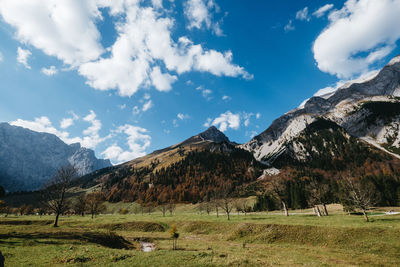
(147, 246)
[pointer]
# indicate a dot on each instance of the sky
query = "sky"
(126, 77)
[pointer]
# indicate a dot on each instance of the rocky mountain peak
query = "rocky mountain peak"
(214, 135)
(28, 159)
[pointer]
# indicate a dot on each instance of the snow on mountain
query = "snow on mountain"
(366, 108)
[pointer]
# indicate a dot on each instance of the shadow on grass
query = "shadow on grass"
(25, 222)
(110, 239)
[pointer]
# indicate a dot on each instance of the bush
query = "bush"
(123, 211)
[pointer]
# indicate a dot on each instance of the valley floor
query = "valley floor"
(253, 240)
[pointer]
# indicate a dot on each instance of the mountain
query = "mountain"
(28, 159)
(197, 168)
(368, 110)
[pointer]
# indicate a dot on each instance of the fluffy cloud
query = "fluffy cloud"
(303, 14)
(147, 105)
(322, 10)
(65, 28)
(144, 45)
(49, 71)
(373, 27)
(23, 56)
(90, 139)
(68, 122)
(200, 14)
(225, 121)
(138, 141)
(162, 81)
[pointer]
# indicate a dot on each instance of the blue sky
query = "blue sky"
(127, 77)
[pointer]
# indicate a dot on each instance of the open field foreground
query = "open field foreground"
(205, 240)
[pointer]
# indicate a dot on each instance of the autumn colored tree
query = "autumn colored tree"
(277, 186)
(318, 193)
(95, 203)
(80, 205)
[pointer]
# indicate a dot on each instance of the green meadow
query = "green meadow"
(255, 239)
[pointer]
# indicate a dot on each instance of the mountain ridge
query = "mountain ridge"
(28, 159)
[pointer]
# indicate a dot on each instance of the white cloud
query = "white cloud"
(162, 81)
(373, 27)
(200, 13)
(135, 110)
(206, 93)
(1, 57)
(226, 98)
(157, 3)
(138, 141)
(182, 116)
(23, 56)
(208, 122)
(67, 30)
(147, 105)
(122, 107)
(50, 71)
(303, 14)
(258, 115)
(322, 10)
(68, 122)
(44, 125)
(289, 27)
(144, 40)
(247, 118)
(225, 121)
(90, 139)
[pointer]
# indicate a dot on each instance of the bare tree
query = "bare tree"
(358, 195)
(95, 203)
(225, 202)
(53, 195)
(318, 194)
(277, 186)
(80, 204)
(163, 208)
(171, 207)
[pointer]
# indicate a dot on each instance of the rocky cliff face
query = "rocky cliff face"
(368, 110)
(28, 159)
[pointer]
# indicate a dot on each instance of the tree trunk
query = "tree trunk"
(56, 220)
(318, 211)
(92, 215)
(365, 216)
(325, 209)
(216, 209)
(228, 215)
(285, 208)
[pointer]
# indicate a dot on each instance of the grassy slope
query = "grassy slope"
(252, 240)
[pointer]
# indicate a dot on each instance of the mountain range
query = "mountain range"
(355, 128)
(29, 159)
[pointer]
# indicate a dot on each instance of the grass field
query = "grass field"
(254, 240)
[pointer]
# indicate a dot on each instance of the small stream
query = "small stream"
(147, 246)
